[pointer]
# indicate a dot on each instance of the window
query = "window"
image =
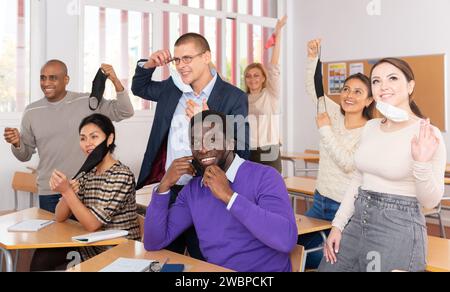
(116, 37)
(121, 36)
(14, 55)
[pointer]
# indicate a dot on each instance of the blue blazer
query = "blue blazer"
(224, 98)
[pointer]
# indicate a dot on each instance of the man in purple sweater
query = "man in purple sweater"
(240, 209)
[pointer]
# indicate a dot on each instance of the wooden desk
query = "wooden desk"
(306, 157)
(447, 170)
(300, 187)
(136, 250)
(57, 235)
(438, 259)
(307, 225)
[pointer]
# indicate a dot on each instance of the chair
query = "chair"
(297, 258)
(24, 182)
(436, 214)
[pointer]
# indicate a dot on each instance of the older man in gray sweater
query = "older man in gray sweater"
(50, 125)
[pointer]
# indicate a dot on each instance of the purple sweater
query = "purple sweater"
(256, 235)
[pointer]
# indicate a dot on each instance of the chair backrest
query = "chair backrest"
(141, 221)
(313, 152)
(309, 151)
(24, 181)
(296, 257)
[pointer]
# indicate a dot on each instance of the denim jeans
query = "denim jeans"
(325, 209)
(386, 233)
(49, 202)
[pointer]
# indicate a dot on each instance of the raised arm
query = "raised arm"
(429, 154)
(143, 85)
(314, 79)
(121, 108)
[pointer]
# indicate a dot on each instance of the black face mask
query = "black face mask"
(98, 89)
(93, 159)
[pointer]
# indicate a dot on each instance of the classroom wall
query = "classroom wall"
(403, 28)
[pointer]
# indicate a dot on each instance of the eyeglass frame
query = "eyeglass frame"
(177, 61)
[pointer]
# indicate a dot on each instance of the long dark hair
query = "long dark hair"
(104, 123)
(368, 111)
(409, 75)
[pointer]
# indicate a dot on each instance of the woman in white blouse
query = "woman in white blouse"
(263, 89)
(400, 167)
(340, 126)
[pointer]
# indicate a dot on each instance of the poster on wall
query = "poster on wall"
(356, 68)
(337, 73)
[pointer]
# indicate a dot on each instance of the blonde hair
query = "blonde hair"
(256, 66)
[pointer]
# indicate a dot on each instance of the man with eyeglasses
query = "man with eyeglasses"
(50, 126)
(193, 87)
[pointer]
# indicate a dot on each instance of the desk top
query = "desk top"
(57, 235)
(308, 157)
(307, 225)
(136, 250)
(438, 259)
(301, 185)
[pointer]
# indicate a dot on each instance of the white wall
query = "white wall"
(404, 28)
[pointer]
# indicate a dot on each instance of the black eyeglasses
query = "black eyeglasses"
(185, 59)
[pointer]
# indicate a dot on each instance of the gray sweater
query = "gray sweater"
(52, 129)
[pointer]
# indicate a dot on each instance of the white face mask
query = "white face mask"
(178, 81)
(392, 113)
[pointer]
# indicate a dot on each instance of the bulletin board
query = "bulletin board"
(429, 93)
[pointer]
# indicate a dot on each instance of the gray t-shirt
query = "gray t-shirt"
(52, 129)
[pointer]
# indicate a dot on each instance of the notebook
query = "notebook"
(30, 225)
(100, 236)
(124, 265)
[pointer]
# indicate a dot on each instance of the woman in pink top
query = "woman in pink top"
(263, 89)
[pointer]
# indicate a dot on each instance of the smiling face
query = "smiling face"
(355, 96)
(197, 68)
(390, 85)
(254, 80)
(91, 136)
(53, 82)
(208, 145)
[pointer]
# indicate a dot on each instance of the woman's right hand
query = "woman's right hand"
(332, 245)
(314, 48)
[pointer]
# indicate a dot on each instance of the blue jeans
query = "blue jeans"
(48, 203)
(325, 209)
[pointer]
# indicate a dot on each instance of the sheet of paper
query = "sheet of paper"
(124, 265)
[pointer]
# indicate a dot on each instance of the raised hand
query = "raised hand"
(12, 136)
(425, 145)
(314, 48)
(280, 24)
(59, 183)
(111, 74)
(193, 108)
(178, 168)
(158, 59)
